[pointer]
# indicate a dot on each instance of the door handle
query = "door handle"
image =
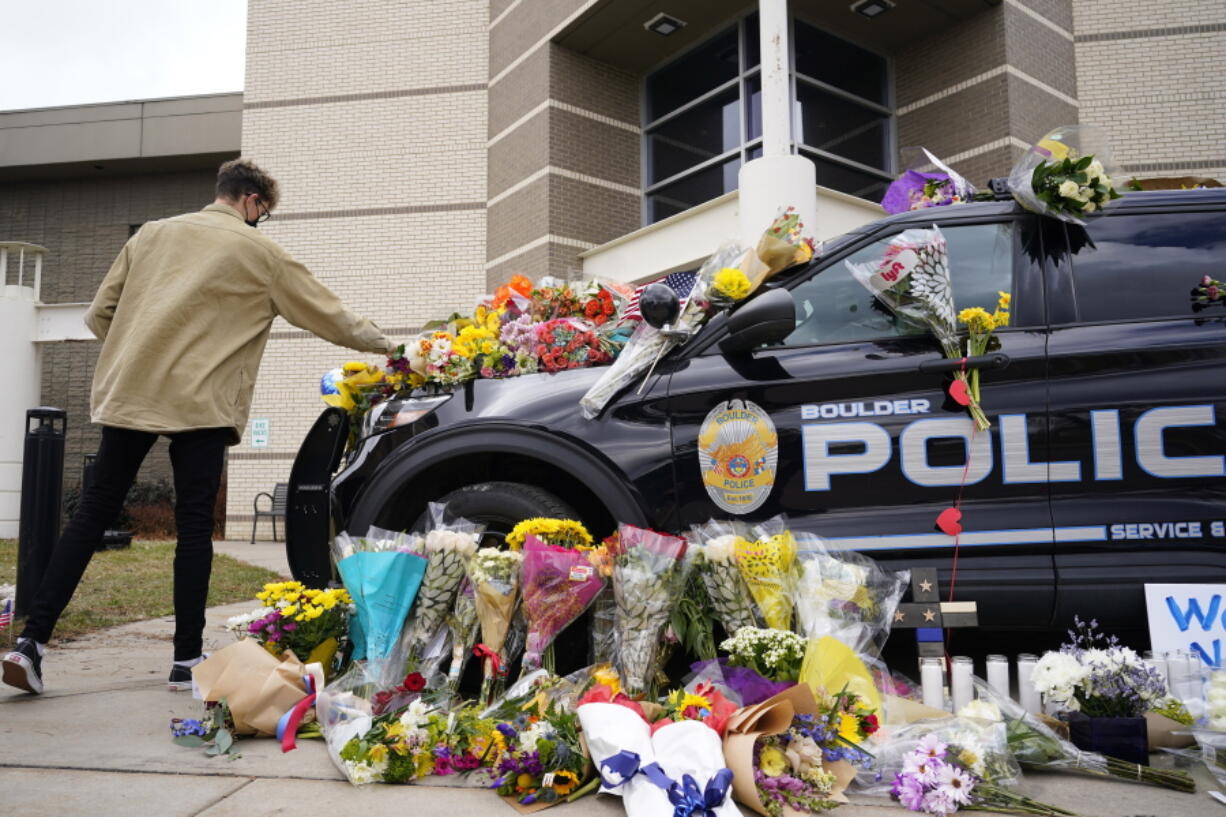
(995, 360)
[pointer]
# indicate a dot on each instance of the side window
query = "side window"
(1145, 266)
(832, 307)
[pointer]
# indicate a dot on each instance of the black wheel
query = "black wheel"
(500, 506)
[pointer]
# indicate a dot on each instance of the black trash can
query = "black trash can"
(42, 496)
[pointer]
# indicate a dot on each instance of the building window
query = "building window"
(844, 123)
(703, 116)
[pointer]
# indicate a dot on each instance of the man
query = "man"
(183, 316)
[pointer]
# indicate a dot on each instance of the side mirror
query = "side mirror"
(768, 318)
(659, 305)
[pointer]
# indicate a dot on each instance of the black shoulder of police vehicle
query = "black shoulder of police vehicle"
(1104, 468)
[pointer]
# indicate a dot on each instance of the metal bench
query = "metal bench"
(278, 499)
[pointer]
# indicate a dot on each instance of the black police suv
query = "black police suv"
(1104, 468)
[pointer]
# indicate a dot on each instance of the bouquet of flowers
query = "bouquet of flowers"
(647, 345)
(777, 761)
(604, 608)
(553, 299)
(916, 190)
(742, 683)
(938, 777)
(598, 304)
(494, 575)
(568, 343)
(768, 565)
(1209, 292)
(415, 742)
(215, 732)
(912, 281)
(544, 759)
(773, 654)
(462, 622)
(702, 703)
(559, 583)
(382, 575)
(449, 544)
(647, 576)
(1063, 176)
(716, 545)
(843, 723)
(1035, 746)
(310, 622)
(980, 324)
(563, 533)
(846, 595)
(1094, 675)
(1215, 701)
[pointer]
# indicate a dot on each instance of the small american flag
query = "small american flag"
(681, 283)
(6, 613)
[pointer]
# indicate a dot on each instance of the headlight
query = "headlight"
(400, 412)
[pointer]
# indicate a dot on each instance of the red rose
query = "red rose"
(414, 682)
(870, 725)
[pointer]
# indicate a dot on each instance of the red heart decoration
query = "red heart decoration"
(957, 390)
(949, 521)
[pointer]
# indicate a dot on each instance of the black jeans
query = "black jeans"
(197, 458)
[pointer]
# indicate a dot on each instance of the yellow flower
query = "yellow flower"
(605, 675)
(562, 532)
(977, 320)
(400, 747)
(1005, 299)
(354, 366)
(395, 730)
(377, 753)
(773, 762)
(999, 319)
(289, 611)
(423, 763)
(565, 781)
(849, 727)
(731, 283)
(525, 781)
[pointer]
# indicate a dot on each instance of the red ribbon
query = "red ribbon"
(482, 651)
(287, 729)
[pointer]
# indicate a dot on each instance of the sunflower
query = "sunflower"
(564, 782)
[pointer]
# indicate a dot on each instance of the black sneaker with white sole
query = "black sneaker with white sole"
(181, 676)
(23, 667)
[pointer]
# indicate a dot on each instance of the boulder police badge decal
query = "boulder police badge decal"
(738, 450)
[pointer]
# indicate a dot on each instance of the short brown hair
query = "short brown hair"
(240, 177)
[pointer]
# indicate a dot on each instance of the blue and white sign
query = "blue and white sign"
(259, 432)
(1188, 617)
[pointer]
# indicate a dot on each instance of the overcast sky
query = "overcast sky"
(73, 52)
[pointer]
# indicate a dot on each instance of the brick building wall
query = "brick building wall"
(982, 91)
(1150, 74)
(564, 141)
(372, 117)
(83, 223)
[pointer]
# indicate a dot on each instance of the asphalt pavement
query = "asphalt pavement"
(97, 742)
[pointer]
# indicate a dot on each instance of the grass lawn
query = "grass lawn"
(134, 584)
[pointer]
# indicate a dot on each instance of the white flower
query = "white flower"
(922, 767)
(721, 548)
(1095, 169)
(1057, 675)
(529, 737)
(931, 746)
(415, 716)
(981, 710)
(361, 772)
(955, 784)
(1068, 189)
(1089, 207)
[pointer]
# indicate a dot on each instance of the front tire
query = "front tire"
(500, 506)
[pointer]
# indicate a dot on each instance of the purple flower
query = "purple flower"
(289, 626)
(909, 791)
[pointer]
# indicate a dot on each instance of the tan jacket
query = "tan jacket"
(183, 316)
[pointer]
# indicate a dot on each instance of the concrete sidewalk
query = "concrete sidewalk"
(98, 743)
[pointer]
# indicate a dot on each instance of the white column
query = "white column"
(776, 87)
(17, 330)
(779, 179)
